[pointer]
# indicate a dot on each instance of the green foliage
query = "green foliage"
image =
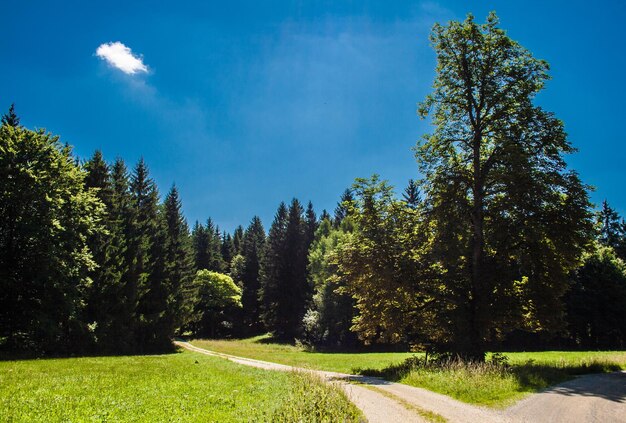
(329, 319)
(185, 387)
(509, 220)
(612, 229)
(385, 266)
(10, 118)
(596, 305)
(252, 253)
(285, 292)
(106, 298)
(207, 245)
(218, 296)
(344, 207)
(46, 216)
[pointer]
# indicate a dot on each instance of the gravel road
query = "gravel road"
(590, 398)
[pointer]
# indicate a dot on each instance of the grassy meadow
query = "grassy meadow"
(489, 384)
(182, 387)
(261, 348)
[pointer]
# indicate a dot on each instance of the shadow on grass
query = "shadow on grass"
(29, 355)
(603, 377)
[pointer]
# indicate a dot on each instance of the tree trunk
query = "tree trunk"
(477, 302)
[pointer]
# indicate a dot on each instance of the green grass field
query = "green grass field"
(490, 385)
(261, 349)
(182, 387)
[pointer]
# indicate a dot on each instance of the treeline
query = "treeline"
(93, 261)
(497, 245)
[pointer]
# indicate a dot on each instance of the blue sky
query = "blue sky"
(246, 104)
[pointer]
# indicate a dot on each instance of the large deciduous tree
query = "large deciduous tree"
(46, 218)
(510, 220)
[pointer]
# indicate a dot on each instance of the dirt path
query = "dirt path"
(592, 398)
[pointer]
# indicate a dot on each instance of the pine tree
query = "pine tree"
(214, 249)
(311, 225)
(103, 298)
(227, 250)
(285, 289)
(181, 295)
(412, 194)
(145, 246)
(122, 223)
(252, 250)
(238, 239)
(201, 243)
(10, 118)
(343, 207)
(273, 270)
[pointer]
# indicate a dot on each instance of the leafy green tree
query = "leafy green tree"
(597, 301)
(330, 317)
(510, 220)
(46, 216)
(219, 296)
(384, 265)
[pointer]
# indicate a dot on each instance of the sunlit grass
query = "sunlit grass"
(183, 387)
(499, 385)
(482, 384)
(261, 348)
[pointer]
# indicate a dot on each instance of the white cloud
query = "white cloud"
(121, 57)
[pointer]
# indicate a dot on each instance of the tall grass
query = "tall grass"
(494, 383)
(313, 400)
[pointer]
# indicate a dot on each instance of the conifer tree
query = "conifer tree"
(310, 226)
(121, 224)
(10, 118)
(343, 207)
(238, 239)
(228, 250)
(214, 250)
(145, 246)
(286, 291)
(201, 243)
(612, 230)
(273, 270)
(107, 247)
(412, 194)
(180, 294)
(252, 251)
